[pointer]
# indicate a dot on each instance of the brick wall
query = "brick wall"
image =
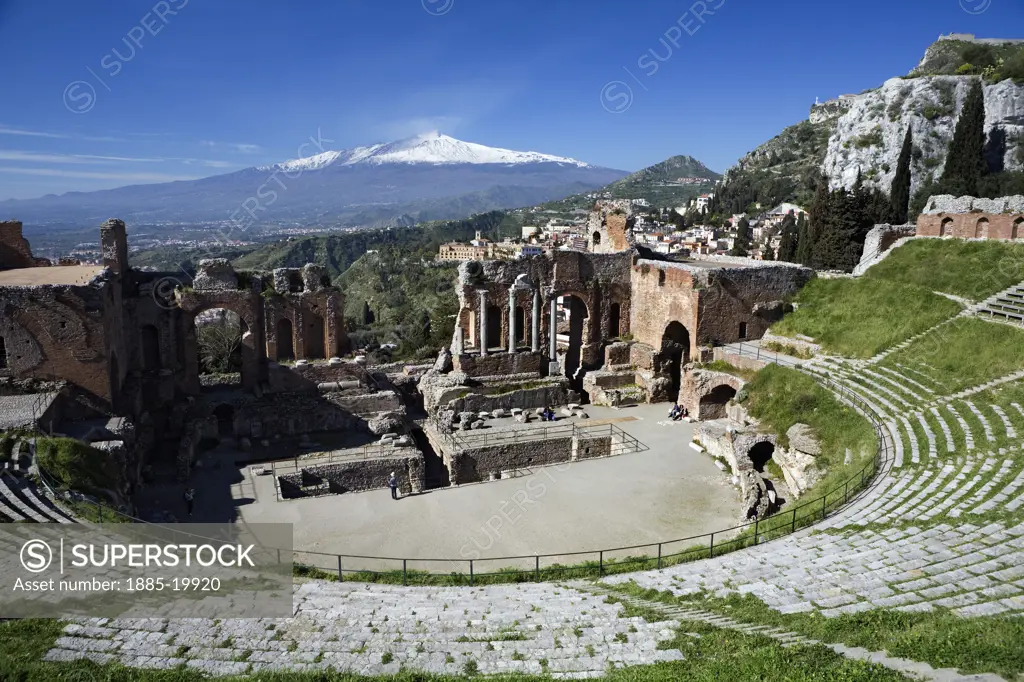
(14, 249)
(971, 225)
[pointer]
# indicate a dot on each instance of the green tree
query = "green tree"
(741, 245)
(767, 253)
(788, 243)
(899, 194)
(803, 241)
(965, 161)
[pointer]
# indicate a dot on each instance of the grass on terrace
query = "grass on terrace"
(942, 639)
(781, 397)
(974, 270)
(966, 352)
(861, 317)
(714, 655)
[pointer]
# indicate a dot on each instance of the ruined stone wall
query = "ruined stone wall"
(971, 225)
(484, 463)
(598, 280)
(736, 304)
(662, 293)
(14, 248)
(699, 386)
(59, 332)
(557, 393)
(372, 474)
(500, 364)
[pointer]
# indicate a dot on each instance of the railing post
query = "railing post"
(536, 567)
(600, 563)
(793, 526)
(756, 521)
(470, 571)
(405, 577)
(278, 556)
(711, 551)
(846, 490)
(823, 504)
(340, 572)
(659, 555)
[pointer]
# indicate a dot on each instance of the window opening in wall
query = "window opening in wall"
(743, 330)
(661, 278)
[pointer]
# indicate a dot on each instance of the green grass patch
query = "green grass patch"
(974, 270)
(76, 465)
(787, 349)
(942, 639)
(725, 367)
(964, 353)
(861, 317)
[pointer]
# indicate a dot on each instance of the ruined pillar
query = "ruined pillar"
(512, 320)
(482, 315)
(535, 331)
(458, 348)
(553, 331)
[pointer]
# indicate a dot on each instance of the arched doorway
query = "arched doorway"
(494, 326)
(572, 324)
(614, 314)
(675, 352)
(285, 340)
(1018, 225)
(225, 415)
(712, 405)
(761, 454)
(946, 229)
(219, 335)
(597, 238)
(981, 229)
(149, 339)
(313, 337)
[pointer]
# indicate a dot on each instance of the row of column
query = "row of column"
(512, 335)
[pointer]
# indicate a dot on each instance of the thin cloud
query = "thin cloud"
(37, 157)
(242, 147)
(129, 177)
(22, 132)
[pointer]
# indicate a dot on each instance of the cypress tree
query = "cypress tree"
(788, 243)
(899, 194)
(766, 252)
(803, 241)
(741, 245)
(965, 161)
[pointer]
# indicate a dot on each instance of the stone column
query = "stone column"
(482, 315)
(535, 340)
(458, 348)
(553, 331)
(512, 320)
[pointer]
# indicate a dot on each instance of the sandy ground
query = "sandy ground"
(666, 493)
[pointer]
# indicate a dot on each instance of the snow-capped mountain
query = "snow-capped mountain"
(430, 148)
(427, 177)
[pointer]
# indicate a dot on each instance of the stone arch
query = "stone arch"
(946, 228)
(285, 335)
(981, 229)
(149, 341)
(760, 454)
(597, 238)
(1018, 226)
(712, 405)
(575, 308)
(253, 348)
(675, 352)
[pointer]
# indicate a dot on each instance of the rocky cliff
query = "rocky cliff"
(869, 135)
(866, 131)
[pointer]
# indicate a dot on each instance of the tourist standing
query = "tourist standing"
(190, 500)
(393, 484)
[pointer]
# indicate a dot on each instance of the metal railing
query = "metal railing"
(756, 352)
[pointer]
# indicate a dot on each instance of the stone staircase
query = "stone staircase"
(1005, 306)
(20, 501)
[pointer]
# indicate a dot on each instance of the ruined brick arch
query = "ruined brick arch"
(981, 229)
(284, 334)
(1018, 226)
(946, 228)
(597, 237)
(253, 348)
(675, 352)
(713, 403)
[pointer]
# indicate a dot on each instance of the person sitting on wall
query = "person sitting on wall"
(548, 414)
(675, 413)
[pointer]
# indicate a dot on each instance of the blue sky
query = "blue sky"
(103, 94)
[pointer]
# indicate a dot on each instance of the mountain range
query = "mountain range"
(426, 177)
